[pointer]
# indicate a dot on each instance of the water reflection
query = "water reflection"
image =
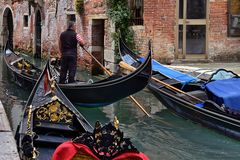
(163, 136)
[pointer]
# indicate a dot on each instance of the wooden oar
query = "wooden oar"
(109, 73)
(105, 69)
(131, 68)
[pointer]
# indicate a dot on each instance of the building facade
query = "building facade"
(178, 29)
(192, 29)
(35, 26)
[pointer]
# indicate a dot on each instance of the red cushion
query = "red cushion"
(67, 150)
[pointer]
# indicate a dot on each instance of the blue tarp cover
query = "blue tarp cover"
(225, 92)
(128, 59)
(182, 77)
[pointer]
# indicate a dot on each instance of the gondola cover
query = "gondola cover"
(223, 88)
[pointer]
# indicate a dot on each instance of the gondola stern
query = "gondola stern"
(92, 145)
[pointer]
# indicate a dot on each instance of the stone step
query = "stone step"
(4, 124)
(7, 142)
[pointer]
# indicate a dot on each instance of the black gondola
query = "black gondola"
(51, 128)
(49, 119)
(193, 99)
(99, 93)
(21, 71)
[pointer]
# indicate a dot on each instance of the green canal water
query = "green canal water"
(163, 136)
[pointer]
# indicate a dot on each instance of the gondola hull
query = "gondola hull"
(221, 123)
(95, 94)
(49, 119)
(18, 76)
(100, 94)
(22, 81)
(175, 95)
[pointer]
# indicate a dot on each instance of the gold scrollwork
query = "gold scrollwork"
(41, 113)
(54, 112)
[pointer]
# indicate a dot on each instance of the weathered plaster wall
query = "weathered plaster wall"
(6, 4)
(53, 23)
(22, 35)
(159, 26)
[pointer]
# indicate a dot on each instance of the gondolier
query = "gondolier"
(68, 42)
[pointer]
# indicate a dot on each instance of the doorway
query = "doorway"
(97, 45)
(191, 31)
(38, 34)
(7, 30)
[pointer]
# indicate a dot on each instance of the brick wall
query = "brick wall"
(159, 26)
(159, 23)
(93, 10)
(221, 47)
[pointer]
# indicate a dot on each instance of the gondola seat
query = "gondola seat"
(197, 93)
(15, 61)
(171, 82)
(56, 126)
(212, 106)
(51, 139)
(31, 72)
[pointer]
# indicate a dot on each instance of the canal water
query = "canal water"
(163, 136)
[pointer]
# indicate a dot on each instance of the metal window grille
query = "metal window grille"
(136, 7)
(234, 18)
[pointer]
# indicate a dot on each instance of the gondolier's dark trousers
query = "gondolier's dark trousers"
(68, 65)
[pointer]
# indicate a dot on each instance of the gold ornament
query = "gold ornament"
(116, 122)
